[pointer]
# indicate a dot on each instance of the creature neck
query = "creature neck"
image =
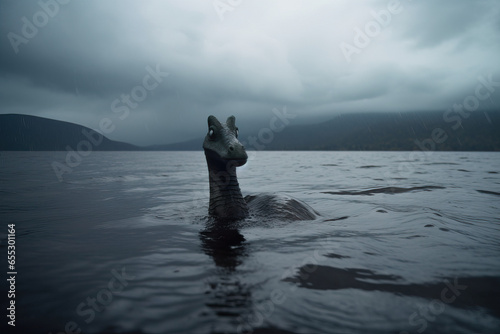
(226, 201)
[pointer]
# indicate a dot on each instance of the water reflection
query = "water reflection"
(464, 292)
(230, 298)
(224, 244)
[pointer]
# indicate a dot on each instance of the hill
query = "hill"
(393, 132)
(31, 133)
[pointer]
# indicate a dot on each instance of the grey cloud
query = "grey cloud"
(262, 55)
(432, 24)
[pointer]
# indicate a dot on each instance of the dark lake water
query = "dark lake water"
(122, 245)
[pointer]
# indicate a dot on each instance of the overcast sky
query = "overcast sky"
(157, 69)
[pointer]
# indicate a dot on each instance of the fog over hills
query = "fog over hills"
(395, 131)
(355, 131)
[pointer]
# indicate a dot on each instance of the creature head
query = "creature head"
(221, 143)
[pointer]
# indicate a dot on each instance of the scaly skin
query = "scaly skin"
(224, 153)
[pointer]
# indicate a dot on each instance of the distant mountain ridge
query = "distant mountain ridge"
(361, 131)
(394, 132)
(32, 133)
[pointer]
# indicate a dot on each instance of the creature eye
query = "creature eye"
(236, 132)
(211, 133)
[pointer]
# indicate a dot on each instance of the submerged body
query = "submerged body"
(279, 207)
(224, 153)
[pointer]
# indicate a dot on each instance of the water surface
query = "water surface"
(123, 244)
